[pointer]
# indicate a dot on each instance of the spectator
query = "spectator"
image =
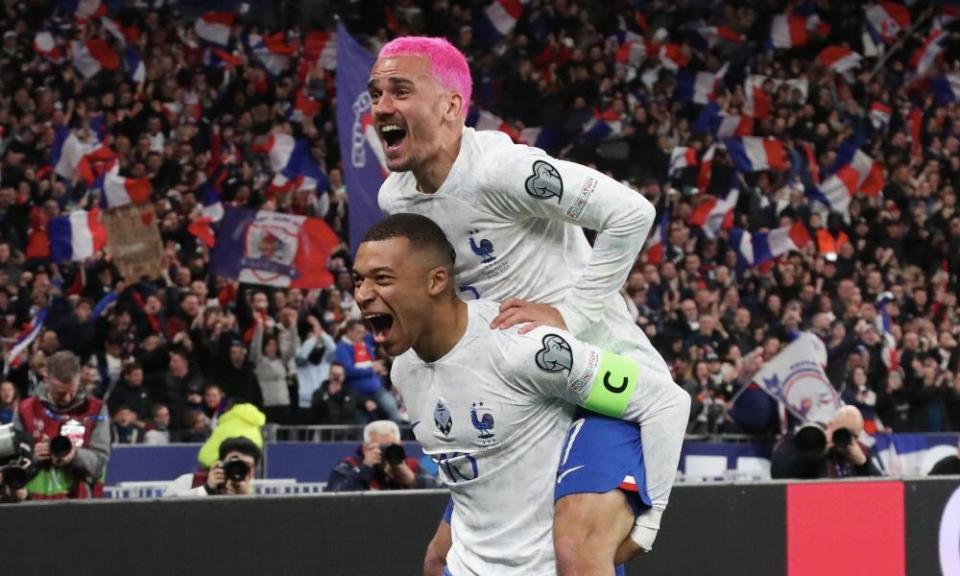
(76, 331)
(831, 452)
(237, 376)
(62, 410)
(125, 429)
(380, 463)
(333, 403)
(9, 402)
(214, 403)
(355, 353)
(270, 355)
(314, 359)
(894, 404)
(175, 386)
(157, 429)
(130, 392)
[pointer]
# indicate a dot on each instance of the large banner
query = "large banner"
(133, 241)
(796, 377)
(273, 249)
(364, 166)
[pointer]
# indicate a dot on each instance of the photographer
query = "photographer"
(380, 463)
(71, 431)
(16, 464)
(813, 452)
(232, 474)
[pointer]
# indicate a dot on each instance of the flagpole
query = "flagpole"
(899, 43)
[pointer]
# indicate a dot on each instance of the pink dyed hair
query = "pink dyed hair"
(447, 64)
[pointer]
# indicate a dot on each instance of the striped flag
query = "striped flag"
(26, 337)
(885, 20)
(880, 115)
(502, 15)
(45, 44)
(696, 87)
(946, 88)
(755, 249)
(713, 214)
(682, 157)
(929, 53)
(120, 190)
(657, 245)
(753, 154)
(92, 56)
(76, 236)
(839, 59)
(891, 359)
(215, 27)
(793, 30)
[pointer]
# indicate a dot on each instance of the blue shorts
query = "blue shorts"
(602, 454)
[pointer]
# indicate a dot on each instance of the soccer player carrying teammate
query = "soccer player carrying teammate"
(491, 406)
(513, 215)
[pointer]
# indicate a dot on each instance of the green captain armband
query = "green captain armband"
(613, 385)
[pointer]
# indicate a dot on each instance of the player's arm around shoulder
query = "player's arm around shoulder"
(524, 181)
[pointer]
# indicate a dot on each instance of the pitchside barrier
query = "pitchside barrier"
(839, 528)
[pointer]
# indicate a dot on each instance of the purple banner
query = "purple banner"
(364, 168)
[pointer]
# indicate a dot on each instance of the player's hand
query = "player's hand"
(516, 311)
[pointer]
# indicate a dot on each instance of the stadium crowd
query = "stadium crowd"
(602, 83)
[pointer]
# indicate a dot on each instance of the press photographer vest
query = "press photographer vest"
(39, 421)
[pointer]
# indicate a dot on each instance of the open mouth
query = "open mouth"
(392, 135)
(380, 325)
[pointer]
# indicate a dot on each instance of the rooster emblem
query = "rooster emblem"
(482, 420)
(484, 249)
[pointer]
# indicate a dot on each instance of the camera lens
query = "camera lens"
(236, 470)
(15, 477)
(842, 437)
(394, 454)
(60, 446)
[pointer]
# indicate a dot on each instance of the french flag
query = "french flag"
(538, 137)
(483, 120)
(272, 51)
(706, 167)
(673, 57)
(657, 245)
(861, 175)
(67, 152)
(292, 163)
(759, 248)
(45, 44)
(758, 104)
(792, 30)
(126, 35)
(753, 154)
(215, 27)
(213, 209)
(929, 53)
(133, 62)
(891, 359)
(94, 163)
(946, 88)
(839, 58)
(84, 9)
(119, 190)
(601, 126)
(682, 157)
(27, 335)
(92, 56)
(503, 15)
(885, 20)
(880, 115)
(696, 87)
(76, 236)
(713, 120)
(713, 35)
(713, 214)
(635, 50)
(304, 106)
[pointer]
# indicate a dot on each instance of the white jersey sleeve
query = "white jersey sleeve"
(523, 182)
(553, 363)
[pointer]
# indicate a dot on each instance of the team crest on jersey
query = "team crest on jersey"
(483, 248)
(555, 355)
(482, 419)
(545, 182)
(442, 418)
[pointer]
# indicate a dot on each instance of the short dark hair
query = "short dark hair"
(422, 233)
(242, 445)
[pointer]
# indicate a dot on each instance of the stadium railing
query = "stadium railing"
(148, 490)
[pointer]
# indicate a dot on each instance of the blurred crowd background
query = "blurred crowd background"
(641, 90)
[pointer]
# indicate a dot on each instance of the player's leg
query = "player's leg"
(600, 490)
(588, 529)
(436, 557)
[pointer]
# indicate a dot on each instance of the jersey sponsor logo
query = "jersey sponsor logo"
(482, 420)
(545, 182)
(442, 418)
(483, 248)
(576, 209)
(555, 355)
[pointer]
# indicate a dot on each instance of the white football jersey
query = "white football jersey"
(493, 413)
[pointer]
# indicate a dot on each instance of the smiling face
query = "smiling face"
(409, 109)
(395, 290)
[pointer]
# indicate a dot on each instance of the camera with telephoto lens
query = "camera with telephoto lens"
(236, 469)
(842, 437)
(393, 454)
(60, 446)
(16, 457)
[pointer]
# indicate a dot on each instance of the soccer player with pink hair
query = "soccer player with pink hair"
(514, 216)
